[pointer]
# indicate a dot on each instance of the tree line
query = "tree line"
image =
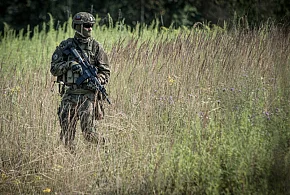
(18, 13)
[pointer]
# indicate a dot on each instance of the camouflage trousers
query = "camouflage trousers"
(86, 108)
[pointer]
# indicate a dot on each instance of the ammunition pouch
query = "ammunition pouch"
(61, 85)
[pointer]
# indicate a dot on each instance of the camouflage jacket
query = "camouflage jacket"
(93, 51)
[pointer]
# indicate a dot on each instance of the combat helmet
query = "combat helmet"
(81, 23)
(83, 18)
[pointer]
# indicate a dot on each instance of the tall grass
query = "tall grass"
(195, 111)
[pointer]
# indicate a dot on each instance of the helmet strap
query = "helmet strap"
(80, 33)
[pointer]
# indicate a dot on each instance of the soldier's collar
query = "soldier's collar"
(81, 39)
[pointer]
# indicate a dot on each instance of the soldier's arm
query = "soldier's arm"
(103, 65)
(59, 63)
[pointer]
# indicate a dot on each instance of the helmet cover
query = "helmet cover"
(83, 18)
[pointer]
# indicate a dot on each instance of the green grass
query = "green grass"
(195, 111)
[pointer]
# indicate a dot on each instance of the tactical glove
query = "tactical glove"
(102, 79)
(91, 86)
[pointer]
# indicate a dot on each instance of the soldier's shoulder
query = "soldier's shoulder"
(66, 42)
(95, 42)
(96, 45)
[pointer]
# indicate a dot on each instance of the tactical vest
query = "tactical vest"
(70, 78)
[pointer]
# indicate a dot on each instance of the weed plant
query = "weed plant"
(195, 111)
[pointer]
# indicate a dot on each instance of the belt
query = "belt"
(84, 86)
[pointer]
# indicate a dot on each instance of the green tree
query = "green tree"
(19, 14)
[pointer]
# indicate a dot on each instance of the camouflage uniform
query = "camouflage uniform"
(80, 102)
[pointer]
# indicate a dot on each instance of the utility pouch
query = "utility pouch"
(61, 86)
(69, 77)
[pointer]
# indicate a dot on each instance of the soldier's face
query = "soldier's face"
(87, 29)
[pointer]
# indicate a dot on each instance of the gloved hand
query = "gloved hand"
(91, 86)
(76, 68)
(102, 79)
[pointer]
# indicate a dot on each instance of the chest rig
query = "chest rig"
(86, 50)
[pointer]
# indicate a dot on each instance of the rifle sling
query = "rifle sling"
(82, 51)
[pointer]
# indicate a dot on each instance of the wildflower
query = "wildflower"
(15, 89)
(46, 190)
(3, 175)
(171, 101)
(17, 181)
(267, 115)
(38, 178)
(200, 114)
(170, 80)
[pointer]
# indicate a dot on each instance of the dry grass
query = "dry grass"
(194, 112)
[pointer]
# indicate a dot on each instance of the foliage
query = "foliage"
(195, 111)
(18, 13)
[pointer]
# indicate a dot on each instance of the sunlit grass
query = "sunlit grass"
(195, 111)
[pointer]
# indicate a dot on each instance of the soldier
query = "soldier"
(80, 102)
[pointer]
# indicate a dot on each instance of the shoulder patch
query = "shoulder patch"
(55, 56)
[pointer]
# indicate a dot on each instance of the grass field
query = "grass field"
(194, 111)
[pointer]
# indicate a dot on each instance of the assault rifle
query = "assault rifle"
(89, 72)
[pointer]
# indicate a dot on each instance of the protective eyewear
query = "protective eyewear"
(88, 25)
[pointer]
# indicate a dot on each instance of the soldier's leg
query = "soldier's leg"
(68, 120)
(87, 120)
